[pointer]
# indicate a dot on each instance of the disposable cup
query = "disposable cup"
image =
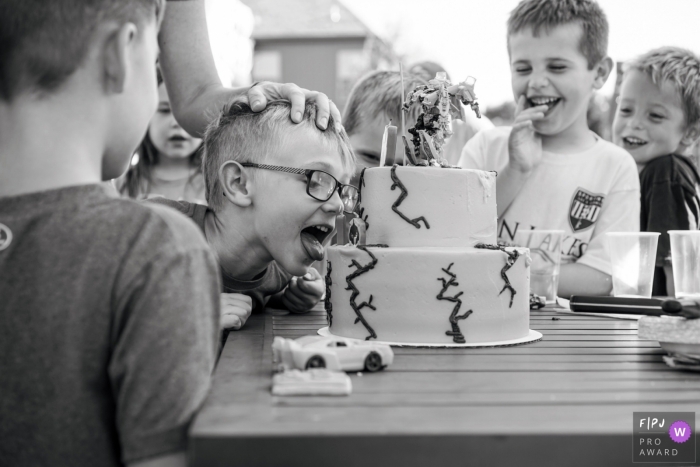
(632, 255)
(685, 256)
(545, 253)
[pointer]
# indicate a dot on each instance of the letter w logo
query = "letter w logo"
(680, 431)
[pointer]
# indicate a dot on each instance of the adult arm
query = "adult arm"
(195, 90)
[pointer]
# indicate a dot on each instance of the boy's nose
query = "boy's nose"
(637, 123)
(538, 81)
(334, 204)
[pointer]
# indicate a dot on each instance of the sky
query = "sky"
(468, 37)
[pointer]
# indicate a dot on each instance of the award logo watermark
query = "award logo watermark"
(664, 437)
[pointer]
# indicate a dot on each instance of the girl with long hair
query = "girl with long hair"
(168, 161)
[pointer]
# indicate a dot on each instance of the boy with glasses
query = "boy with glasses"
(274, 189)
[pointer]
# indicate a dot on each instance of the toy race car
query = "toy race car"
(334, 353)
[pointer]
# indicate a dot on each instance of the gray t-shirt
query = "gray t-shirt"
(109, 315)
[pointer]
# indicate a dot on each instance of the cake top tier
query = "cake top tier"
(427, 206)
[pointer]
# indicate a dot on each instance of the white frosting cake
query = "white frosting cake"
(447, 207)
(446, 284)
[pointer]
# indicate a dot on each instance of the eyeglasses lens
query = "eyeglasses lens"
(349, 195)
(321, 185)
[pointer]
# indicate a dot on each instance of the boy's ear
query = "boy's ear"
(691, 135)
(235, 183)
(603, 70)
(117, 48)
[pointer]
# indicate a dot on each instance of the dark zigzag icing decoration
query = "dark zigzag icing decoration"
(361, 183)
(404, 194)
(512, 257)
(327, 304)
(456, 333)
(355, 291)
(359, 199)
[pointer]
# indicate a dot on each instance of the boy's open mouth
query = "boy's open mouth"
(543, 100)
(633, 142)
(312, 239)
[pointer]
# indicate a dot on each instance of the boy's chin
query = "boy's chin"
(297, 268)
(547, 128)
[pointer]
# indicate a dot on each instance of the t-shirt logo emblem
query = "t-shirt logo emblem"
(5, 236)
(584, 210)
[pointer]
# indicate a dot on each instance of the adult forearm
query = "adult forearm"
(195, 90)
(508, 184)
(579, 279)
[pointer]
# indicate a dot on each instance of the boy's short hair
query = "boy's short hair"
(379, 94)
(241, 135)
(678, 66)
(548, 14)
(43, 42)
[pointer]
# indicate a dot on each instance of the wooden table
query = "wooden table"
(564, 401)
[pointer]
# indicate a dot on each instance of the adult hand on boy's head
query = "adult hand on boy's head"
(235, 310)
(524, 144)
(303, 293)
(259, 94)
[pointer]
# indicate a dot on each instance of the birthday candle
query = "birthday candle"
(388, 145)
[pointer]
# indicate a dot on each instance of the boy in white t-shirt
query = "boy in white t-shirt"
(554, 173)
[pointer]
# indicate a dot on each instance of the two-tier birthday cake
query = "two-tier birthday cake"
(428, 270)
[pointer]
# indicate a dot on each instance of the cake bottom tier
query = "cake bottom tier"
(428, 295)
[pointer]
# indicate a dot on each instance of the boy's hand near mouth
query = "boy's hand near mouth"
(524, 144)
(524, 153)
(303, 293)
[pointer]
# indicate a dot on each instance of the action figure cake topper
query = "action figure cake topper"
(439, 101)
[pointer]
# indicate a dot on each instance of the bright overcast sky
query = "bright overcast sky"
(468, 36)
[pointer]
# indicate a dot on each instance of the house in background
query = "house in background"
(316, 44)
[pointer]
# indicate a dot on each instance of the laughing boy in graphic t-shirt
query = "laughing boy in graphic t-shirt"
(554, 173)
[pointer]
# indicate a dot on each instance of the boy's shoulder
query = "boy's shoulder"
(671, 168)
(610, 159)
(607, 149)
(95, 216)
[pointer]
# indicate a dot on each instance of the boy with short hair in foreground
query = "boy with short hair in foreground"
(274, 190)
(108, 308)
(553, 172)
(658, 121)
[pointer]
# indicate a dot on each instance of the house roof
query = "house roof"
(297, 19)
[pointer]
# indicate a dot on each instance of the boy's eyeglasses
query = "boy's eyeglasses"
(320, 185)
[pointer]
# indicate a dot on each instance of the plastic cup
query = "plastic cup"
(633, 256)
(545, 252)
(685, 255)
